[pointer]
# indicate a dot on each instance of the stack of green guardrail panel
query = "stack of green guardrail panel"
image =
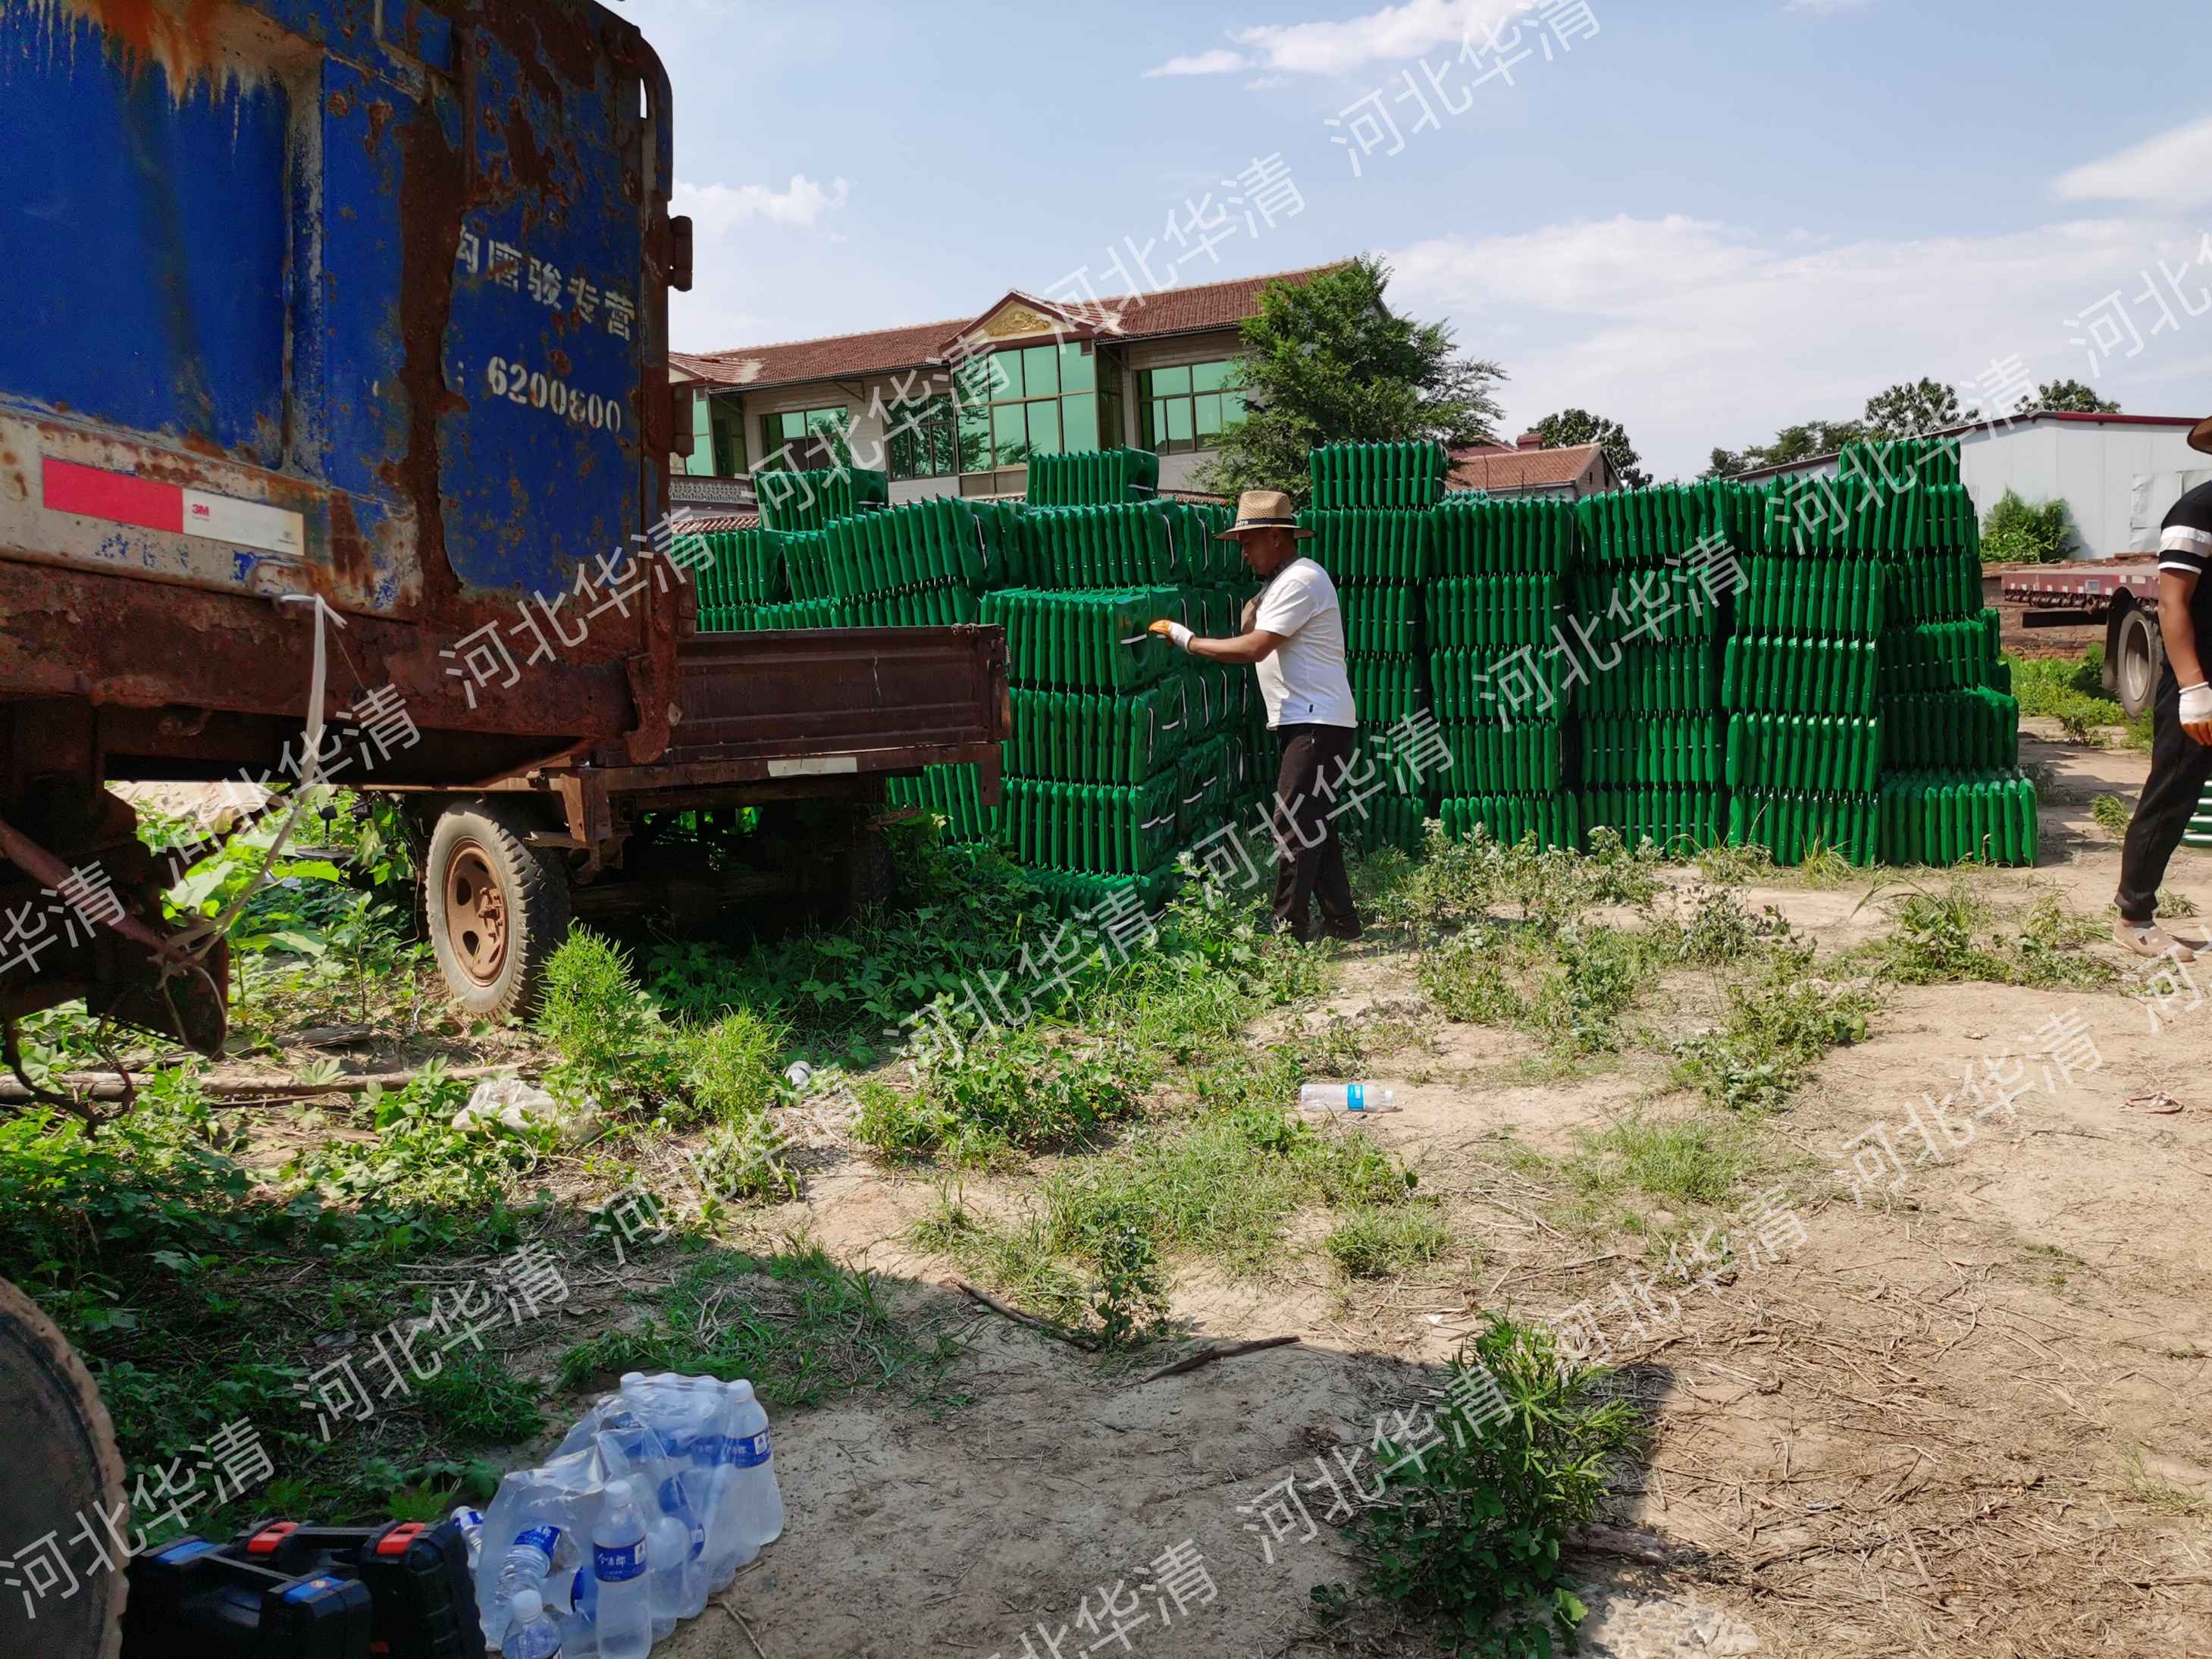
(1092, 478)
(2199, 833)
(920, 564)
(736, 570)
(1801, 678)
(1368, 475)
(792, 500)
(1496, 678)
(1124, 752)
(1373, 519)
(1650, 603)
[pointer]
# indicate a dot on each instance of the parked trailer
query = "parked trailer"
(2122, 594)
(350, 317)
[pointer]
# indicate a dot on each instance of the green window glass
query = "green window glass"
(795, 426)
(1040, 372)
(1078, 369)
(923, 442)
(1044, 427)
(1010, 433)
(1080, 418)
(1188, 408)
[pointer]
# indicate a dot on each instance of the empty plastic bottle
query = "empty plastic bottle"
(533, 1635)
(1347, 1098)
(753, 1490)
(619, 1558)
(668, 1553)
(579, 1629)
(470, 1521)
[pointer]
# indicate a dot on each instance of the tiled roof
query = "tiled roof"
(846, 356)
(1519, 469)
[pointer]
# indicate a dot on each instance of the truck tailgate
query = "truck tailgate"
(826, 701)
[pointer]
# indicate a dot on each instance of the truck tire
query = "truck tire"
(497, 910)
(65, 1467)
(2138, 661)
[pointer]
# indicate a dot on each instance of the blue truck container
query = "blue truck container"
(348, 319)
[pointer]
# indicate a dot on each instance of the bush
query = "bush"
(1002, 1088)
(2016, 533)
(1779, 1027)
(730, 1069)
(1470, 1530)
(612, 1046)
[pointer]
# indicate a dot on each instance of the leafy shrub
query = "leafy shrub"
(1779, 1024)
(612, 1046)
(730, 1071)
(1003, 1087)
(417, 1157)
(1470, 1531)
(1129, 1303)
(2016, 533)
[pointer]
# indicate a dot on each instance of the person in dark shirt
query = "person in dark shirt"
(2181, 724)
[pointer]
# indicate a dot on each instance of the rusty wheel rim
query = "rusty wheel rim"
(476, 914)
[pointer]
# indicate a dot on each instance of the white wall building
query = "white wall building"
(2117, 474)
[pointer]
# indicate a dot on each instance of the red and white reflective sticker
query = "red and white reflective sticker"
(124, 498)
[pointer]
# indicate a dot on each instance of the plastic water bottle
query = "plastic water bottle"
(533, 1635)
(580, 1631)
(1347, 1098)
(529, 1561)
(619, 1558)
(667, 1407)
(729, 1545)
(753, 1492)
(470, 1521)
(669, 1550)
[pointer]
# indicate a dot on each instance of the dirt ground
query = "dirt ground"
(1965, 1413)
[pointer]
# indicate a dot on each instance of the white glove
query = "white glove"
(2196, 711)
(1182, 637)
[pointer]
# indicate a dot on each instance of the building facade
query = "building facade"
(957, 408)
(2117, 474)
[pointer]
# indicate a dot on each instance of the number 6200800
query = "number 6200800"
(534, 389)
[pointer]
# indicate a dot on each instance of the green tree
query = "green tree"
(1327, 361)
(1579, 426)
(2068, 398)
(1727, 463)
(1910, 408)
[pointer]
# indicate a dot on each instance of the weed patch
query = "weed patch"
(1468, 1535)
(1780, 1023)
(1376, 1243)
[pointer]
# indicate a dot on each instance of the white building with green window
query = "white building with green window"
(958, 407)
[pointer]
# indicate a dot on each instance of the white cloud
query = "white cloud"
(1694, 333)
(1339, 47)
(1219, 61)
(715, 209)
(2174, 169)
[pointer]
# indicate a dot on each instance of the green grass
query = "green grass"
(2071, 690)
(1700, 1160)
(481, 1402)
(1378, 1244)
(2110, 814)
(1952, 935)
(805, 1328)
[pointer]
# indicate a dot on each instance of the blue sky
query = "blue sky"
(1705, 220)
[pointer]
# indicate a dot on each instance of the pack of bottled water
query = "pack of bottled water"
(650, 1505)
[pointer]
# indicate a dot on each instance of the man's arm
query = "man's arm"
(2176, 589)
(1257, 646)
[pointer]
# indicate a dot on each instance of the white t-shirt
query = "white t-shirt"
(1303, 682)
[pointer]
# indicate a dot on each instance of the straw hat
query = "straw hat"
(2201, 437)
(1271, 509)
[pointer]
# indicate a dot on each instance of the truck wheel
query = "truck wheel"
(497, 910)
(65, 1467)
(2142, 657)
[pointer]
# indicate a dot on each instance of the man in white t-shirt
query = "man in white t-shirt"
(1294, 637)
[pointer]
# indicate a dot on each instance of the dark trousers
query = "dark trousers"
(1309, 859)
(2178, 768)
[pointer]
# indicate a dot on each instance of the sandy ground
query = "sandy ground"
(1965, 1414)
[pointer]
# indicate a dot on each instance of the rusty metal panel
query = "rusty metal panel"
(834, 691)
(365, 298)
